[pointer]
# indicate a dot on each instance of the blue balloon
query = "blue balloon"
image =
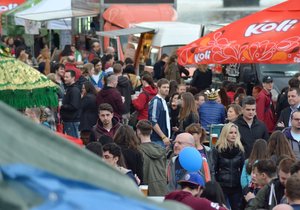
(190, 159)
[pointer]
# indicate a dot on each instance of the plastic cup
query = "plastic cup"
(144, 189)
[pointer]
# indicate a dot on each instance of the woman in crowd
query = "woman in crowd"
(224, 99)
(188, 113)
(88, 117)
(258, 153)
(228, 158)
(126, 138)
(172, 71)
(233, 111)
(112, 154)
(140, 103)
(44, 61)
(278, 147)
(199, 135)
(202, 77)
(174, 108)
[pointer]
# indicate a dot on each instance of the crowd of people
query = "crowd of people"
(139, 124)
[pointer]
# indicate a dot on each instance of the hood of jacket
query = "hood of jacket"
(178, 195)
(152, 150)
(149, 89)
(107, 91)
(115, 123)
(123, 81)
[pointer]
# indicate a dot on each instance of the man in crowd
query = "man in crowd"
(273, 193)
(294, 103)
(125, 88)
(70, 109)
(265, 172)
(192, 186)
(293, 133)
(154, 160)
(95, 52)
(264, 104)
(250, 127)
(292, 191)
(175, 171)
(110, 94)
(106, 125)
(158, 115)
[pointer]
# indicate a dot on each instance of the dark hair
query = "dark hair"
(266, 166)
(294, 82)
(90, 88)
(214, 193)
(116, 151)
(105, 107)
(162, 82)
(258, 153)
(66, 51)
(196, 96)
(72, 72)
(95, 61)
(295, 168)
(126, 136)
(57, 66)
(248, 100)
(196, 128)
(292, 114)
(148, 78)
(225, 100)
(104, 139)
(128, 61)
(18, 51)
(285, 165)
(95, 147)
(145, 127)
(163, 56)
(297, 89)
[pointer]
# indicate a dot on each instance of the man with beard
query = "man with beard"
(293, 133)
(95, 52)
(106, 125)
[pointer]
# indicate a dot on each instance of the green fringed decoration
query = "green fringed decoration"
(20, 99)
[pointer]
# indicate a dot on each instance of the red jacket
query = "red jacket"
(265, 109)
(195, 203)
(141, 102)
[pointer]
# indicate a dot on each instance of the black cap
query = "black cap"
(267, 79)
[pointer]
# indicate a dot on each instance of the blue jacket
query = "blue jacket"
(211, 112)
(157, 115)
(99, 84)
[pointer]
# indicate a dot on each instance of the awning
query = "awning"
(123, 32)
(58, 9)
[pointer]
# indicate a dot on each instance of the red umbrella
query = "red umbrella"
(268, 36)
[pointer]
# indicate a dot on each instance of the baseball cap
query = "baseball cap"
(193, 178)
(267, 79)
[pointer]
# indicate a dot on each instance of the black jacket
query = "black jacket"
(89, 112)
(201, 80)
(125, 88)
(159, 70)
(228, 166)
(258, 130)
(70, 109)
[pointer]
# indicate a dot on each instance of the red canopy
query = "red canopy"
(269, 36)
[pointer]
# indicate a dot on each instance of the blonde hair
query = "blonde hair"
(222, 143)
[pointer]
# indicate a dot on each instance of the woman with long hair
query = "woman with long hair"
(258, 153)
(228, 158)
(233, 111)
(140, 103)
(278, 147)
(126, 138)
(199, 135)
(112, 154)
(89, 112)
(188, 113)
(172, 70)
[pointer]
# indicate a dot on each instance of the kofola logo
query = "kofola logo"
(256, 29)
(198, 57)
(4, 8)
